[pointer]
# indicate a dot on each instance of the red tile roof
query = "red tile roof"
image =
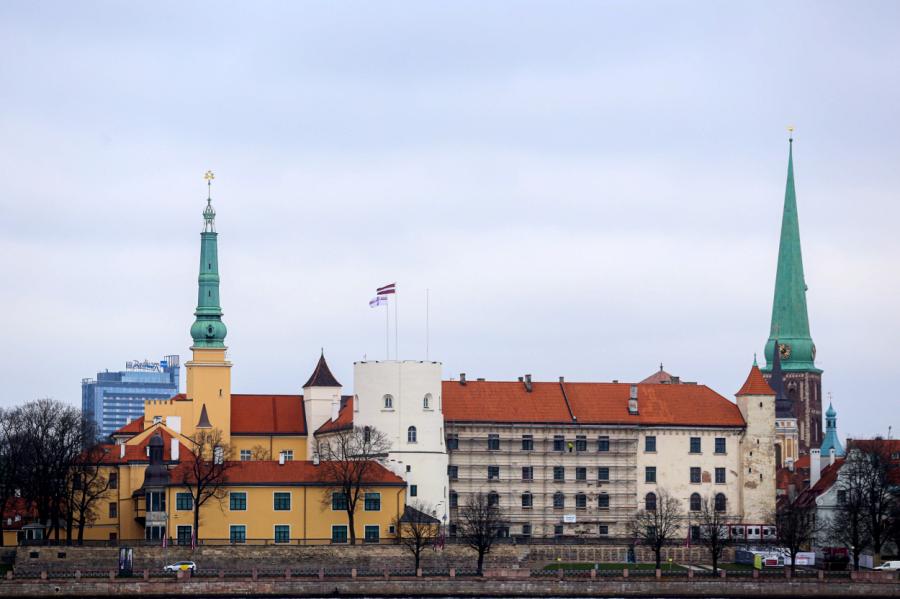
(138, 452)
(755, 384)
(658, 377)
(321, 376)
(132, 428)
(344, 420)
(590, 403)
(267, 414)
(299, 472)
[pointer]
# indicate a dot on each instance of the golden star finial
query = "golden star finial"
(209, 176)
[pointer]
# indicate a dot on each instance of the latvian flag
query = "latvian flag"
(387, 289)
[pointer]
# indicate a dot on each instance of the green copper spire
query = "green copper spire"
(790, 321)
(208, 329)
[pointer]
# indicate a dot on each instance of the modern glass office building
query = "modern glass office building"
(114, 399)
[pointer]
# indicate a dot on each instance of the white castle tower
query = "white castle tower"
(402, 399)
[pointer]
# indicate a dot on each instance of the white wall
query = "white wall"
(408, 383)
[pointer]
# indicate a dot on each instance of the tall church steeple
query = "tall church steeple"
(208, 329)
(790, 351)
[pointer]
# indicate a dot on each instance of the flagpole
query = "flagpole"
(426, 324)
(396, 328)
(387, 331)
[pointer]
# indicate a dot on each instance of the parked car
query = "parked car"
(892, 565)
(181, 566)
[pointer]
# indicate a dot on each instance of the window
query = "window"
(411, 434)
(695, 444)
(695, 502)
(367, 434)
(282, 502)
(288, 455)
(413, 490)
(246, 455)
(372, 502)
(695, 475)
(526, 530)
(580, 473)
(841, 497)
(452, 441)
(454, 499)
(650, 502)
(338, 502)
(559, 473)
(603, 501)
(527, 443)
(426, 402)
(650, 444)
(604, 529)
(338, 533)
(282, 533)
(527, 472)
(720, 444)
(113, 480)
(720, 502)
(559, 500)
(453, 531)
(720, 476)
(237, 501)
(156, 501)
(580, 443)
(238, 533)
(493, 442)
(218, 455)
(113, 509)
(493, 472)
(695, 533)
(183, 535)
(603, 444)
(154, 533)
(559, 443)
(453, 472)
(527, 500)
(493, 499)
(372, 533)
(184, 501)
(558, 530)
(580, 501)
(650, 474)
(388, 405)
(603, 473)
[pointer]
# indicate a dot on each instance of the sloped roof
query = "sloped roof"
(344, 420)
(658, 377)
(756, 384)
(132, 428)
(291, 473)
(321, 376)
(411, 514)
(138, 451)
(267, 414)
(590, 403)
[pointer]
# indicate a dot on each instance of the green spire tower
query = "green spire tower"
(208, 329)
(789, 332)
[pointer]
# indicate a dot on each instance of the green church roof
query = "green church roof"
(208, 329)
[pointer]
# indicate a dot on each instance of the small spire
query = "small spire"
(209, 215)
(660, 367)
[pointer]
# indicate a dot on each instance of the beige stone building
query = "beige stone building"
(578, 459)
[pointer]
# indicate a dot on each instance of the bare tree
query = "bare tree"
(658, 526)
(11, 459)
(204, 472)
(480, 520)
(714, 523)
(349, 459)
(260, 453)
(89, 484)
(796, 526)
(879, 474)
(417, 529)
(848, 524)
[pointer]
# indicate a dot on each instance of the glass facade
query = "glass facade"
(114, 399)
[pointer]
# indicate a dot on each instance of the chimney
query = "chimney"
(831, 457)
(122, 450)
(334, 410)
(633, 400)
(316, 459)
(281, 458)
(528, 383)
(521, 378)
(815, 466)
(176, 447)
(462, 378)
(562, 379)
(790, 464)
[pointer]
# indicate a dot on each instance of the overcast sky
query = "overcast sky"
(587, 189)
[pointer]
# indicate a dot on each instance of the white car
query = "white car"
(892, 565)
(181, 566)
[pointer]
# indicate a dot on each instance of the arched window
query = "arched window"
(493, 499)
(559, 500)
(426, 402)
(720, 502)
(650, 502)
(367, 435)
(603, 501)
(527, 499)
(388, 402)
(580, 501)
(695, 502)
(411, 434)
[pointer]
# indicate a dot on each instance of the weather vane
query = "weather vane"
(208, 177)
(790, 132)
